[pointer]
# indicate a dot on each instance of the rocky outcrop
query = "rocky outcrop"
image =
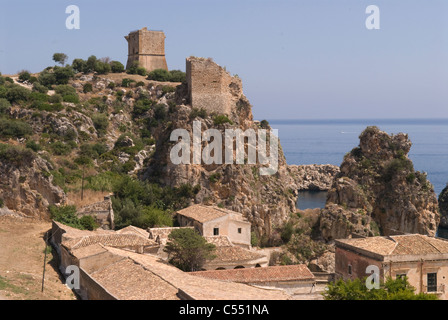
(313, 177)
(443, 207)
(378, 191)
(28, 188)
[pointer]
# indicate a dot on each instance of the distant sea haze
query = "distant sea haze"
(327, 141)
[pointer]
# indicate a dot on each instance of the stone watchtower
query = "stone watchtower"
(148, 48)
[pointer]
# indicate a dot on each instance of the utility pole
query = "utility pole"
(82, 183)
(45, 262)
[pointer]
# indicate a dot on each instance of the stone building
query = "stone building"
(422, 259)
(101, 211)
(148, 48)
(215, 221)
(211, 87)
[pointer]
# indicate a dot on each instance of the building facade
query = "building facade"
(422, 259)
(147, 47)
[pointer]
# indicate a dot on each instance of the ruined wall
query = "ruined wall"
(148, 48)
(211, 87)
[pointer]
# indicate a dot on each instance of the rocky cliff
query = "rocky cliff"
(378, 191)
(26, 185)
(443, 207)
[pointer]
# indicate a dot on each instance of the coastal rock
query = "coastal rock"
(443, 207)
(378, 191)
(313, 177)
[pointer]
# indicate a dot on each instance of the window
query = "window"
(349, 269)
(239, 230)
(216, 231)
(431, 282)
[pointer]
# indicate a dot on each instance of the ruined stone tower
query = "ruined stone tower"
(148, 48)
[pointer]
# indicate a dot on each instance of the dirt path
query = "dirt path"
(22, 251)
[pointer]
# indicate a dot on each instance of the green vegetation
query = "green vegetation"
(60, 58)
(195, 112)
(398, 289)
(116, 67)
(221, 119)
(14, 128)
(145, 204)
(67, 216)
(188, 250)
(101, 123)
(15, 155)
(167, 76)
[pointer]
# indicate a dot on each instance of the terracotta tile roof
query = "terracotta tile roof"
(203, 213)
(128, 280)
(72, 233)
(112, 240)
(88, 251)
(219, 241)
(234, 254)
(201, 288)
(409, 244)
(135, 230)
(252, 275)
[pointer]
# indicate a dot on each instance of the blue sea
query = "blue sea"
(327, 141)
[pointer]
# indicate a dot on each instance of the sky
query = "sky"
(305, 59)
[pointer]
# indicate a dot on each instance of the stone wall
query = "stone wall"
(211, 87)
(148, 48)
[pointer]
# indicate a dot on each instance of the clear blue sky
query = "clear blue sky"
(297, 59)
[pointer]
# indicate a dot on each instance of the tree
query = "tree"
(188, 250)
(60, 58)
(116, 66)
(398, 289)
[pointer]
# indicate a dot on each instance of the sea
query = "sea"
(327, 141)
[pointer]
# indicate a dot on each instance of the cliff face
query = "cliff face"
(443, 207)
(27, 186)
(378, 191)
(265, 200)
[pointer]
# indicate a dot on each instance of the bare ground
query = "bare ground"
(22, 251)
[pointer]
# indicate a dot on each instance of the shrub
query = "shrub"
(116, 67)
(24, 76)
(79, 65)
(177, 76)
(141, 71)
(65, 90)
(71, 98)
(15, 155)
(87, 87)
(33, 146)
(17, 94)
(63, 74)
(126, 82)
(4, 105)
(60, 148)
(195, 112)
(160, 112)
(14, 128)
(101, 122)
(167, 89)
(159, 75)
(47, 78)
(133, 68)
(65, 215)
(102, 67)
(221, 119)
(90, 64)
(88, 223)
(56, 98)
(37, 87)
